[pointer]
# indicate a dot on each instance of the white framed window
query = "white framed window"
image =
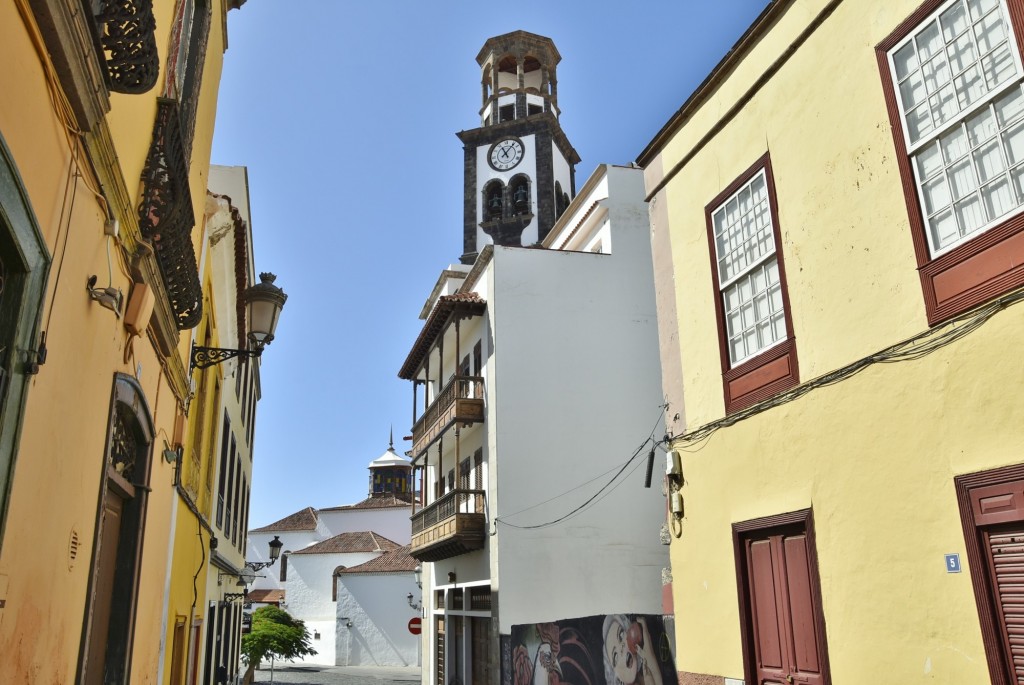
(957, 76)
(748, 271)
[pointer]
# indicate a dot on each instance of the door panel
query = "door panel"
(785, 634)
(764, 605)
(110, 533)
(801, 608)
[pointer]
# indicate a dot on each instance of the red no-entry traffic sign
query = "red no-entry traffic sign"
(415, 625)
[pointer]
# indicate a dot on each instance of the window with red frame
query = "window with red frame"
(757, 344)
(953, 76)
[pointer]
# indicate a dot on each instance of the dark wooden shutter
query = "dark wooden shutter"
(765, 610)
(782, 609)
(1005, 550)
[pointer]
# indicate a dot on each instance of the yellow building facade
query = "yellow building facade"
(105, 133)
(837, 231)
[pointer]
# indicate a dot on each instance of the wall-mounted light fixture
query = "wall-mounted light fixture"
(451, 577)
(415, 605)
(417, 573)
(275, 552)
(263, 304)
(109, 297)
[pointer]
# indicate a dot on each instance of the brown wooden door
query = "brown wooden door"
(110, 534)
(782, 609)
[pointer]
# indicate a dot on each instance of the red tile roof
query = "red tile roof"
(378, 502)
(300, 520)
(266, 596)
(365, 541)
(397, 560)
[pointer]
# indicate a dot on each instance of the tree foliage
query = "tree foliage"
(274, 633)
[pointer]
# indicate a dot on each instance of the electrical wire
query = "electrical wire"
(603, 492)
(911, 349)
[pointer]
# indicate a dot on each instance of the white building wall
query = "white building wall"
(373, 615)
(561, 171)
(394, 524)
(259, 550)
(582, 328)
(308, 596)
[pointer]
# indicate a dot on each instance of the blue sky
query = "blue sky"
(345, 114)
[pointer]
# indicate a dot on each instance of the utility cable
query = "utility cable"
(911, 349)
(606, 489)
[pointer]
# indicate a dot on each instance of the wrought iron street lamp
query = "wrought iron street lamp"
(263, 304)
(275, 552)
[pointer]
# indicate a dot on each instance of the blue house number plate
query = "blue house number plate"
(952, 563)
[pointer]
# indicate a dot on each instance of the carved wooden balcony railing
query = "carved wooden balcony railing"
(461, 401)
(453, 525)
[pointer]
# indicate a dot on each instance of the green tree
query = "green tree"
(274, 634)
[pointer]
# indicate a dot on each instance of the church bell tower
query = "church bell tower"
(520, 170)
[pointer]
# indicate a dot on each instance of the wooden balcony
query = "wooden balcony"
(453, 525)
(461, 401)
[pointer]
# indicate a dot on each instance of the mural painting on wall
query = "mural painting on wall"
(617, 649)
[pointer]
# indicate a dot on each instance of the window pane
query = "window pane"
(954, 145)
(981, 127)
(961, 177)
(905, 60)
(970, 87)
(928, 162)
(980, 7)
(1009, 107)
(998, 198)
(944, 103)
(961, 53)
(990, 31)
(936, 195)
(954, 21)
(989, 161)
(943, 229)
(1014, 140)
(936, 74)
(919, 123)
(969, 214)
(999, 67)
(928, 41)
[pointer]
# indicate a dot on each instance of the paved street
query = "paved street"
(339, 675)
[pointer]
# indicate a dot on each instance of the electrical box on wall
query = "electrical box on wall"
(673, 463)
(179, 430)
(139, 309)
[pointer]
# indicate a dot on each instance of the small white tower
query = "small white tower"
(391, 474)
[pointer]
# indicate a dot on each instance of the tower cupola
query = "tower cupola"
(390, 474)
(518, 77)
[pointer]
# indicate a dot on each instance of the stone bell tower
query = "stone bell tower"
(520, 170)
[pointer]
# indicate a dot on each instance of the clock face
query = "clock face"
(505, 154)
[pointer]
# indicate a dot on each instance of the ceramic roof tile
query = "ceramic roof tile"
(379, 502)
(390, 562)
(346, 543)
(266, 596)
(301, 520)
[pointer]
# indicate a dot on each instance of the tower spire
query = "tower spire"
(391, 438)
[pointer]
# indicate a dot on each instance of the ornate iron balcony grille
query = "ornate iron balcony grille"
(126, 34)
(165, 215)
